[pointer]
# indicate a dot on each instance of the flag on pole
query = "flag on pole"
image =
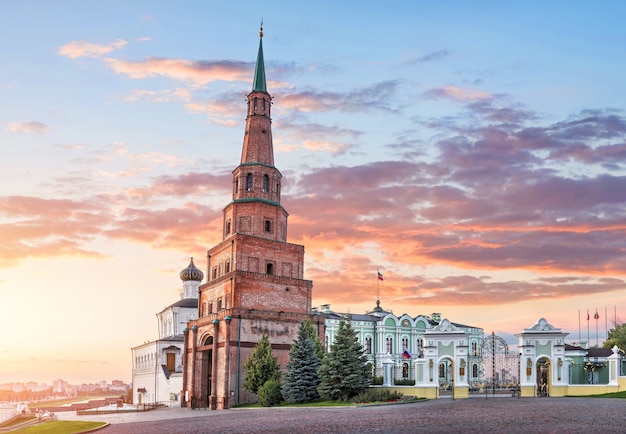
(380, 276)
(406, 354)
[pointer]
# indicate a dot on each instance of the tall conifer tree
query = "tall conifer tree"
(317, 342)
(301, 380)
(261, 366)
(344, 372)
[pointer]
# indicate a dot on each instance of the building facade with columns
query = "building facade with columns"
(255, 278)
(410, 350)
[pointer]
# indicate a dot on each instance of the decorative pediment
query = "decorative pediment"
(542, 326)
(445, 326)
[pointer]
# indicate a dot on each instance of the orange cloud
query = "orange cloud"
(199, 73)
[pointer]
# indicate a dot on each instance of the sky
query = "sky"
(473, 152)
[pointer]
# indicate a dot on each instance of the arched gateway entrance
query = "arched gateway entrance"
(206, 360)
(542, 349)
(543, 377)
(443, 367)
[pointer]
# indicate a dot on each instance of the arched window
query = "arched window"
(269, 268)
(227, 266)
(475, 370)
(266, 183)
(249, 182)
(389, 345)
(368, 345)
(405, 370)
(255, 103)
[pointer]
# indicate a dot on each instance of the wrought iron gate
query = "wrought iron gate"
(496, 369)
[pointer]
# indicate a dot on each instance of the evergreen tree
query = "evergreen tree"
(301, 380)
(317, 342)
(344, 372)
(261, 366)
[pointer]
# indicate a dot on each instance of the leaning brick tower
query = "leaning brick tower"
(255, 278)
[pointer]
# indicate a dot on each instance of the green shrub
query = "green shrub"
(403, 382)
(269, 393)
(377, 395)
(377, 381)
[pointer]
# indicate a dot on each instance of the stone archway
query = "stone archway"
(446, 377)
(206, 363)
(543, 367)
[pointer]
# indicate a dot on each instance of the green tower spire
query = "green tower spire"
(259, 71)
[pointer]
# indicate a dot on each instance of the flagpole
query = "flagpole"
(596, 318)
(377, 288)
(588, 343)
(579, 336)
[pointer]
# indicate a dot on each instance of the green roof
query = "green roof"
(259, 71)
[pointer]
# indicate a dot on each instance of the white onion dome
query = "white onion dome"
(191, 273)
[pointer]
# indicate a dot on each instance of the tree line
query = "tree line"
(312, 374)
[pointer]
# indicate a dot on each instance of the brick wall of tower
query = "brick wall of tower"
(249, 218)
(245, 330)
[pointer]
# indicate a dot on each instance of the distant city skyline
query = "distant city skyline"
(472, 152)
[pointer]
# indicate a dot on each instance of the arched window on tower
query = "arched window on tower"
(266, 183)
(255, 103)
(263, 104)
(269, 268)
(249, 182)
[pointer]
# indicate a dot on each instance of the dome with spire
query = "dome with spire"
(191, 273)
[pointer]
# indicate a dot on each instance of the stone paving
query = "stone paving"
(473, 415)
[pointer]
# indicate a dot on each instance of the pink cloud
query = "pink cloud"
(30, 127)
(459, 94)
(76, 49)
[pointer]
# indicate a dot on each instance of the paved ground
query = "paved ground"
(474, 415)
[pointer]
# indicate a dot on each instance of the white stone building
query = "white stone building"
(157, 365)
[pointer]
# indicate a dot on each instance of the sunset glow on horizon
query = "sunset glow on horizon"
(474, 154)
